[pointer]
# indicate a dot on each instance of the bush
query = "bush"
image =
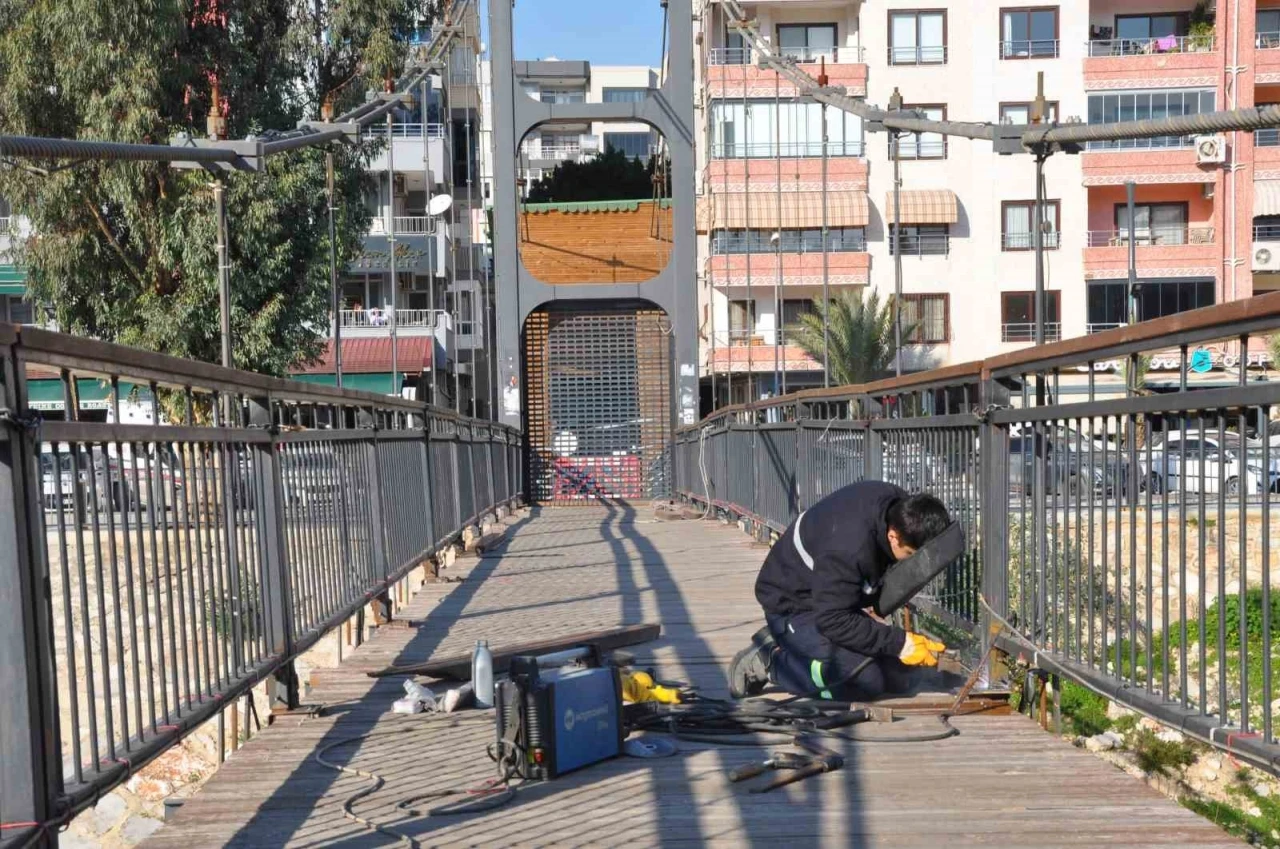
(1158, 756)
(1086, 709)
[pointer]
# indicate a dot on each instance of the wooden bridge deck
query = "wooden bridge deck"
(1000, 782)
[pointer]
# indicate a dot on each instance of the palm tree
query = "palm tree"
(860, 328)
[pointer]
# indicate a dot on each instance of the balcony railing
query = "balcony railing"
(1266, 232)
(1041, 48)
(1026, 331)
(6, 222)
(850, 55)
(1267, 40)
(936, 55)
(404, 131)
(405, 225)
(1151, 46)
(1099, 326)
(1269, 137)
(910, 147)
(787, 150)
(1157, 143)
(378, 317)
(1026, 241)
(737, 244)
(932, 244)
(1178, 234)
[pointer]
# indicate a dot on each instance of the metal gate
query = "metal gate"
(598, 410)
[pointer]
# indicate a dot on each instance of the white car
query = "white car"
(1201, 461)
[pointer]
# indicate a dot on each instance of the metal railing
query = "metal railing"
(912, 147)
(1025, 331)
(850, 55)
(1266, 232)
(403, 131)
(153, 573)
(1150, 46)
(1099, 326)
(1270, 137)
(768, 149)
(1152, 236)
(1034, 48)
(380, 317)
(405, 225)
(1119, 536)
(1026, 241)
(735, 243)
(1267, 40)
(930, 244)
(935, 55)
(1153, 143)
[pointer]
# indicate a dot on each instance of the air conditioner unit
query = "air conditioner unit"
(1266, 259)
(1211, 150)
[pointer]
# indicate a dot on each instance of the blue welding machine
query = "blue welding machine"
(559, 720)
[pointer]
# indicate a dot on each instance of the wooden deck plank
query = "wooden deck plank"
(1001, 781)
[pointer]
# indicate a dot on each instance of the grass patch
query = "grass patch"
(1156, 756)
(1086, 710)
(1236, 819)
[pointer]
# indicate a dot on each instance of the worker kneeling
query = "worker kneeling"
(818, 587)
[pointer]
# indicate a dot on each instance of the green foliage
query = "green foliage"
(1253, 621)
(611, 175)
(125, 250)
(1158, 756)
(860, 329)
(1125, 724)
(1086, 710)
(1235, 819)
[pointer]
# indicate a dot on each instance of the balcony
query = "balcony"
(403, 131)
(1266, 57)
(931, 55)
(405, 225)
(847, 169)
(1029, 49)
(1165, 160)
(735, 71)
(1140, 63)
(1106, 254)
(407, 142)
(843, 268)
(1026, 241)
(377, 323)
(932, 244)
(754, 352)
(1026, 332)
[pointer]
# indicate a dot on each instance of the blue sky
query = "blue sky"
(606, 32)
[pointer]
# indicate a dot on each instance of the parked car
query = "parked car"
(308, 476)
(121, 476)
(1204, 461)
(58, 488)
(1066, 466)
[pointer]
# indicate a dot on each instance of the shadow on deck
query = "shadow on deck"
(1000, 782)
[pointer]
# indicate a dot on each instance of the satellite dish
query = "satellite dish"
(439, 205)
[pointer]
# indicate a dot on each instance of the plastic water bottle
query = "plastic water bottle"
(482, 674)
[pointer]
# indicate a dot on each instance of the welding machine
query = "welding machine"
(558, 720)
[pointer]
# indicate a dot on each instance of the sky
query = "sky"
(605, 32)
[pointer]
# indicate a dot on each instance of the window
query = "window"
(742, 319)
(926, 319)
(1016, 231)
(1020, 113)
(923, 145)
(1018, 316)
(807, 42)
(562, 95)
(1029, 33)
(793, 311)
(1140, 105)
(624, 95)
(1153, 223)
(917, 38)
(1268, 28)
(739, 130)
(839, 240)
(560, 146)
(921, 240)
(1147, 27)
(633, 145)
(1107, 301)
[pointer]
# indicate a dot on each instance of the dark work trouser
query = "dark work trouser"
(808, 663)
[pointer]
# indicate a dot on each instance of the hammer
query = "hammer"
(824, 760)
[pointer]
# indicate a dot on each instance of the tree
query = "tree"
(611, 175)
(860, 328)
(125, 251)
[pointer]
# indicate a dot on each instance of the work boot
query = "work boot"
(749, 671)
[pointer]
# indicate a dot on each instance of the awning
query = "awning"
(13, 280)
(380, 383)
(372, 355)
(792, 210)
(924, 206)
(1266, 197)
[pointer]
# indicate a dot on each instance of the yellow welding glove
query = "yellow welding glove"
(920, 651)
(640, 687)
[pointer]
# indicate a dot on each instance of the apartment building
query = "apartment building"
(578, 81)
(1207, 213)
(428, 205)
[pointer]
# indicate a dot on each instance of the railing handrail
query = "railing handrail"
(400, 317)
(806, 149)
(1151, 46)
(1153, 235)
(846, 54)
(1195, 324)
(404, 130)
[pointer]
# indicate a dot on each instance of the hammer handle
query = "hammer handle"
(742, 773)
